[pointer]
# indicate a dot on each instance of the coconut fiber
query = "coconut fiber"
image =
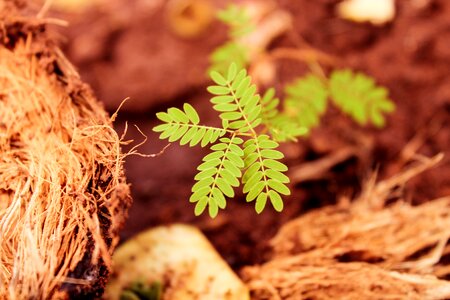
(63, 196)
(366, 249)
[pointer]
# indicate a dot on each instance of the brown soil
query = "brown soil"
(143, 59)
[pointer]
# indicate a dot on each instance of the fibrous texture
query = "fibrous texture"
(63, 196)
(363, 250)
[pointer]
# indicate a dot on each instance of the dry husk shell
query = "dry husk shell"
(63, 195)
(365, 249)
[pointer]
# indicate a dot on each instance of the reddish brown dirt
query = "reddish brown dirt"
(143, 60)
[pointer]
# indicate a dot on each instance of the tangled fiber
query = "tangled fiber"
(363, 250)
(63, 196)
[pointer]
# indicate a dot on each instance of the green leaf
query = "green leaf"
(230, 52)
(200, 206)
(209, 164)
(250, 159)
(268, 144)
(165, 117)
(272, 154)
(178, 133)
(235, 159)
(237, 18)
(243, 86)
(235, 148)
(276, 175)
(169, 132)
(250, 171)
(198, 194)
(279, 187)
(225, 107)
(358, 96)
(220, 146)
(229, 177)
(275, 165)
(188, 136)
(222, 99)
(232, 168)
(232, 70)
(177, 115)
(218, 78)
(218, 174)
(220, 199)
(191, 113)
(252, 181)
(231, 116)
(213, 208)
(202, 183)
(205, 174)
(284, 128)
(261, 202)
(197, 137)
(238, 125)
(213, 155)
(206, 138)
(276, 200)
(306, 100)
(241, 75)
(218, 90)
(225, 187)
(254, 191)
(162, 127)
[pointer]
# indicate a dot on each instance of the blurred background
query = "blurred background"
(157, 53)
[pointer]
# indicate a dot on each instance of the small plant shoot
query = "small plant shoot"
(244, 150)
(241, 155)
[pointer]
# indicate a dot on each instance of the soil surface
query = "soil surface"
(142, 58)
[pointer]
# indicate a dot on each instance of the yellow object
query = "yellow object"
(189, 18)
(182, 259)
(374, 11)
(74, 5)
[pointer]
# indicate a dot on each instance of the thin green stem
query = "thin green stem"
(211, 128)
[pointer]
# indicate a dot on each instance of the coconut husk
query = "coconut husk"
(63, 195)
(293, 279)
(365, 249)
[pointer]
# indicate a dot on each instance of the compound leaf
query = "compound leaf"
(264, 173)
(358, 96)
(183, 125)
(218, 174)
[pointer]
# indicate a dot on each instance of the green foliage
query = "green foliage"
(217, 176)
(306, 100)
(241, 111)
(282, 127)
(244, 149)
(138, 290)
(230, 52)
(264, 176)
(237, 19)
(358, 96)
(184, 126)
(355, 94)
(236, 100)
(233, 51)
